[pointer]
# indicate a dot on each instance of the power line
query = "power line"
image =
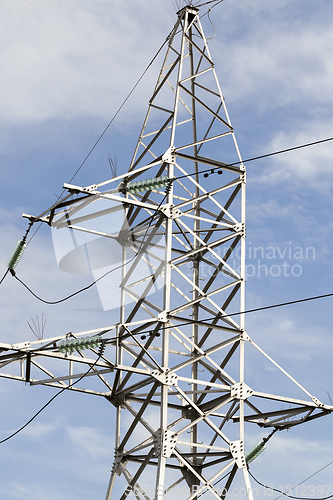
(304, 480)
(121, 106)
(211, 8)
(101, 277)
(206, 3)
(181, 177)
(208, 325)
(285, 494)
(209, 170)
(263, 308)
(281, 304)
(3, 277)
(131, 92)
(112, 119)
(52, 399)
(75, 293)
(256, 157)
(126, 99)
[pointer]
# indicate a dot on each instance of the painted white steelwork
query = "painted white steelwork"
(174, 364)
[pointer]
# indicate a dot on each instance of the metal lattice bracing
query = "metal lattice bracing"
(173, 367)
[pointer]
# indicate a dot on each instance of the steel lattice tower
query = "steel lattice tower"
(173, 367)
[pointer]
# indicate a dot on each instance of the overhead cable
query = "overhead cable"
(3, 277)
(306, 479)
(50, 401)
(211, 1)
(285, 494)
(98, 279)
(112, 119)
(260, 157)
(281, 304)
(121, 106)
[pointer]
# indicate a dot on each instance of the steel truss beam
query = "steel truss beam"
(175, 361)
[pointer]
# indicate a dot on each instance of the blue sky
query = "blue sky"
(67, 67)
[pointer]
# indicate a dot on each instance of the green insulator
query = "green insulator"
(151, 184)
(86, 343)
(17, 254)
(135, 187)
(66, 346)
(131, 187)
(83, 343)
(78, 345)
(157, 182)
(252, 455)
(161, 181)
(89, 342)
(140, 186)
(96, 341)
(61, 347)
(72, 344)
(165, 180)
(147, 184)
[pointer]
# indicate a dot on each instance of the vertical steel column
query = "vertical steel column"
(196, 261)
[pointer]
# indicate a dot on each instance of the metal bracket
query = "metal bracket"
(170, 212)
(165, 378)
(78, 189)
(169, 156)
(241, 391)
(239, 228)
(164, 443)
(32, 218)
(237, 450)
(245, 336)
(21, 345)
(163, 317)
(318, 403)
(118, 455)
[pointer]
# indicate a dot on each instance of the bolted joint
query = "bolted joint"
(189, 412)
(241, 391)
(165, 377)
(164, 442)
(122, 188)
(117, 400)
(239, 228)
(118, 459)
(237, 450)
(169, 156)
(318, 403)
(170, 212)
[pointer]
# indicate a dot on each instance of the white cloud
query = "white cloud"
(90, 441)
(275, 60)
(76, 59)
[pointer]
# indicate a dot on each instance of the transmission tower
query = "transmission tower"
(173, 366)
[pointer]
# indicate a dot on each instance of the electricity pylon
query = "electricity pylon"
(173, 366)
